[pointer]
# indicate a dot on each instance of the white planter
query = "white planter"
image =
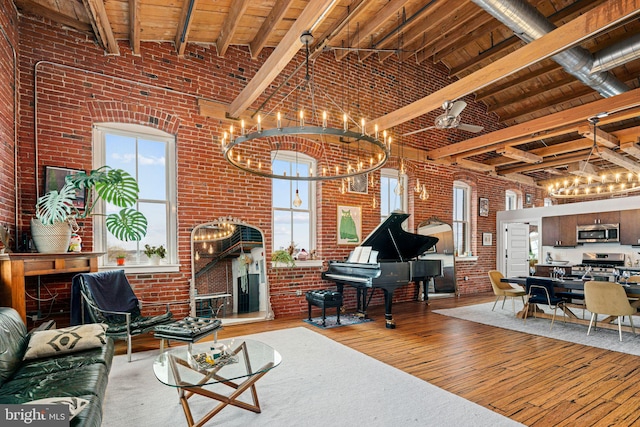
(50, 239)
(154, 260)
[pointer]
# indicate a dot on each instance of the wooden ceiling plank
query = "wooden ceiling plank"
(631, 148)
(584, 169)
(281, 56)
(554, 162)
(366, 31)
(492, 90)
(478, 26)
(237, 8)
(548, 151)
(595, 21)
(274, 18)
(527, 180)
(542, 88)
(134, 26)
(521, 155)
(475, 166)
(76, 18)
(101, 26)
(184, 24)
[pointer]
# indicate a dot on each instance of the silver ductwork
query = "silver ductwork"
(529, 24)
(617, 54)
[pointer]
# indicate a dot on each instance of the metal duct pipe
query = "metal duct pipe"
(529, 24)
(617, 54)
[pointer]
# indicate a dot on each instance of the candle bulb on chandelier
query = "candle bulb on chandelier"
(301, 118)
(279, 121)
(344, 120)
(324, 119)
(362, 126)
(375, 129)
(259, 123)
(242, 127)
(231, 133)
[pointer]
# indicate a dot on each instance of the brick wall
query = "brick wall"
(8, 89)
(76, 84)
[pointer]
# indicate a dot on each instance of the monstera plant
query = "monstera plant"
(114, 186)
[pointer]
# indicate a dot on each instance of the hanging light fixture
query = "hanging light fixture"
(343, 152)
(590, 181)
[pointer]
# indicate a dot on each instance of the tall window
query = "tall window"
(293, 223)
(511, 200)
(149, 156)
(461, 212)
(391, 199)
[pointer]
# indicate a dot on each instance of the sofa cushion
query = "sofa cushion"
(47, 365)
(13, 341)
(66, 340)
(85, 380)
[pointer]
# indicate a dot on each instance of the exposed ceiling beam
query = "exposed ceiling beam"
(538, 126)
(71, 14)
(479, 25)
(619, 159)
(602, 138)
(134, 26)
(231, 23)
(631, 148)
(554, 162)
(184, 24)
(278, 11)
(551, 150)
(514, 80)
(476, 166)
(523, 156)
(281, 56)
(527, 180)
(584, 26)
(101, 26)
(584, 169)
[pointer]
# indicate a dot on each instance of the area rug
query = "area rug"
(571, 332)
(331, 321)
(319, 383)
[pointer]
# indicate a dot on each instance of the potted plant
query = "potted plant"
(120, 259)
(55, 209)
(155, 254)
(283, 257)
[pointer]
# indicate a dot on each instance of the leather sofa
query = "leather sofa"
(83, 374)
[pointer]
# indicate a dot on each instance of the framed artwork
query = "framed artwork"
(349, 225)
(483, 207)
(54, 179)
(528, 199)
(359, 184)
(487, 239)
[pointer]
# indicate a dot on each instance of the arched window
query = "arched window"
(511, 200)
(393, 192)
(461, 217)
(148, 155)
(293, 223)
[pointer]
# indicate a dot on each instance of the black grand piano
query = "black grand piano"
(396, 252)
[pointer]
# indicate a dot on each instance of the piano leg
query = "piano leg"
(388, 317)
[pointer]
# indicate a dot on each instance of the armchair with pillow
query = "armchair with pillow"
(68, 366)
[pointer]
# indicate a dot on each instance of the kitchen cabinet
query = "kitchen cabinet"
(546, 270)
(559, 230)
(630, 227)
(599, 218)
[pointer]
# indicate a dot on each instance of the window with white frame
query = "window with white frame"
(511, 200)
(461, 217)
(393, 192)
(293, 223)
(148, 155)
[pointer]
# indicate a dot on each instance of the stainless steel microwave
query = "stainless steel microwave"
(598, 233)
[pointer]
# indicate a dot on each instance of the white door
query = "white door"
(517, 250)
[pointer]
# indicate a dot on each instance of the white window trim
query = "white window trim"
(467, 212)
(393, 173)
(292, 156)
(99, 228)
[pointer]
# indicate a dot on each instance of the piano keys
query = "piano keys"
(392, 250)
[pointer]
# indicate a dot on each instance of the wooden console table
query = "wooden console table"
(15, 267)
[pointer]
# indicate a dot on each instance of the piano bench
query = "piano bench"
(324, 299)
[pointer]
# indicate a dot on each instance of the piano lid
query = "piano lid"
(395, 244)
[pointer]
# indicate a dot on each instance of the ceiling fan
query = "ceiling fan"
(450, 119)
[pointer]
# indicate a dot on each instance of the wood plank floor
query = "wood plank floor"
(534, 380)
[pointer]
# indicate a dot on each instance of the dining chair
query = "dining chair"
(633, 279)
(504, 290)
(608, 298)
(541, 291)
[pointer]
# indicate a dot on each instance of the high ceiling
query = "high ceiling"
(544, 108)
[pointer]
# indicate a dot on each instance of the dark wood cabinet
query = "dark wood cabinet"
(599, 218)
(559, 230)
(630, 227)
(545, 270)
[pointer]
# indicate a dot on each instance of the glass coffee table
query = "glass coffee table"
(237, 363)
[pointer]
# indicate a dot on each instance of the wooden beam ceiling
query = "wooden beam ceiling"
(101, 26)
(184, 24)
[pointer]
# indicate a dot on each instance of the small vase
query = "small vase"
(154, 260)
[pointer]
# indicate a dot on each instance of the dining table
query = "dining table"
(575, 285)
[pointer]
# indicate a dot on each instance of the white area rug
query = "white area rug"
(504, 318)
(319, 383)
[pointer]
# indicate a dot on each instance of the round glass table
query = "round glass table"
(237, 363)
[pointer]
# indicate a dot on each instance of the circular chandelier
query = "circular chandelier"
(340, 152)
(592, 183)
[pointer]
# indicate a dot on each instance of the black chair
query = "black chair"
(541, 291)
(107, 298)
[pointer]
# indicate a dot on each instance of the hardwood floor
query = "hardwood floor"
(534, 380)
